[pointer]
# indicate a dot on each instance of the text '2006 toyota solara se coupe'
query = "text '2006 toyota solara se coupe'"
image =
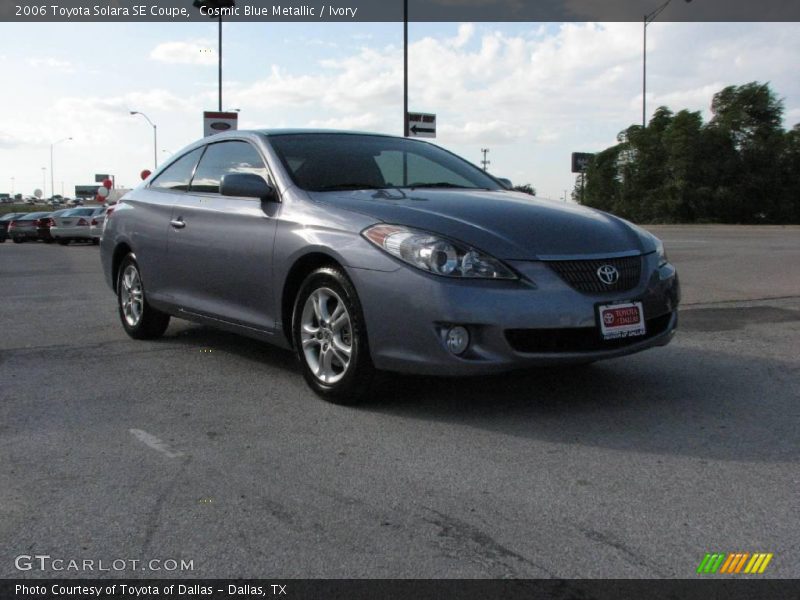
(364, 252)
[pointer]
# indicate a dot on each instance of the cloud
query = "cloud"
(366, 121)
(193, 52)
(51, 63)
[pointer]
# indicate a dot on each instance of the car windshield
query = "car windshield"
(337, 161)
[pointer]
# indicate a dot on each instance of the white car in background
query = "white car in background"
(74, 224)
(96, 224)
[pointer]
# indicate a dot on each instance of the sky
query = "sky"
(532, 93)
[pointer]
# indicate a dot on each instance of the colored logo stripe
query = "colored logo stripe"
(734, 562)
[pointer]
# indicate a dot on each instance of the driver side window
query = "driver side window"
(226, 157)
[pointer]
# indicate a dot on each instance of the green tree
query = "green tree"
(526, 188)
(741, 167)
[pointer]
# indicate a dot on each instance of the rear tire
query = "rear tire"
(19, 240)
(140, 320)
(330, 337)
(96, 241)
(63, 242)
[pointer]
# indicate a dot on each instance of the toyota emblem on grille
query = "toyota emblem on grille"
(608, 274)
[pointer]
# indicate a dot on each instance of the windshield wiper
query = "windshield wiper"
(351, 186)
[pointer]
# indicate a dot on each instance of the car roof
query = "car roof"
(301, 131)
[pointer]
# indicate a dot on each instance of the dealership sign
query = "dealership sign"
(218, 122)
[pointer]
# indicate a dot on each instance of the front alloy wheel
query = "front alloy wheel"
(327, 335)
(330, 337)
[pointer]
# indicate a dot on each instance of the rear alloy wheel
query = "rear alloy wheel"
(140, 320)
(330, 337)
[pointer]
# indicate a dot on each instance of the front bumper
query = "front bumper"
(407, 313)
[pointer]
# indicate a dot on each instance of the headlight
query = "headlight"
(436, 254)
(662, 254)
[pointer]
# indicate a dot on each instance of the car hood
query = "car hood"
(508, 225)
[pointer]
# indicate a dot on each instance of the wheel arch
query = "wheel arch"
(298, 272)
(121, 251)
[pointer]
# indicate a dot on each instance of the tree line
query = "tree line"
(740, 167)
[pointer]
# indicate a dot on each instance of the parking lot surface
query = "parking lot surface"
(207, 447)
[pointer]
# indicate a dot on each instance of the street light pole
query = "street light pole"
(405, 68)
(649, 18)
(155, 137)
(219, 68)
(44, 182)
(52, 175)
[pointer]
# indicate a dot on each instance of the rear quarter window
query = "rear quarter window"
(177, 176)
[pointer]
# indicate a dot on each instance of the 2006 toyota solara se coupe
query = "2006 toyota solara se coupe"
(364, 252)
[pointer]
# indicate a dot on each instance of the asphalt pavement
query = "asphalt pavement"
(208, 448)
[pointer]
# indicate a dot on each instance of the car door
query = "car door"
(220, 247)
(152, 210)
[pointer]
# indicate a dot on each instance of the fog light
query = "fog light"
(457, 339)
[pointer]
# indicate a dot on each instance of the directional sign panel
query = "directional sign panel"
(421, 125)
(580, 161)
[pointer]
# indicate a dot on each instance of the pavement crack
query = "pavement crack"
(459, 539)
(609, 540)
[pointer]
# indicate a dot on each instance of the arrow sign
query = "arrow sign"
(421, 125)
(420, 130)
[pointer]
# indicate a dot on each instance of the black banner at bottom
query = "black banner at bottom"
(397, 589)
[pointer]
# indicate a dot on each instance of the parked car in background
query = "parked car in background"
(365, 252)
(45, 224)
(96, 224)
(26, 227)
(73, 224)
(5, 220)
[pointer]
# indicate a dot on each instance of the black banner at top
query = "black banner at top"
(393, 10)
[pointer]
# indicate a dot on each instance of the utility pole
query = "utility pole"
(485, 162)
(649, 18)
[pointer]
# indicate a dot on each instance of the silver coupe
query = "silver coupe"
(364, 252)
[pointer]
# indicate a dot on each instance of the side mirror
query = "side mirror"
(506, 182)
(246, 185)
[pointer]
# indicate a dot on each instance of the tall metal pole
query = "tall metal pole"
(155, 147)
(405, 68)
(219, 108)
(644, 74)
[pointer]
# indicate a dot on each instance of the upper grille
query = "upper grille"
(582, 274)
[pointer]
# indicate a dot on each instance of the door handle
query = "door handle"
(177, 223)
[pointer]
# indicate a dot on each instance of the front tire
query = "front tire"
(330, 337)
(140, 320)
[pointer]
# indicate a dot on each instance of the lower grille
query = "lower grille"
(578, 339)
(582, 274)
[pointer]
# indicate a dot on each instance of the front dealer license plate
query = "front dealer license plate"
(621, 320)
